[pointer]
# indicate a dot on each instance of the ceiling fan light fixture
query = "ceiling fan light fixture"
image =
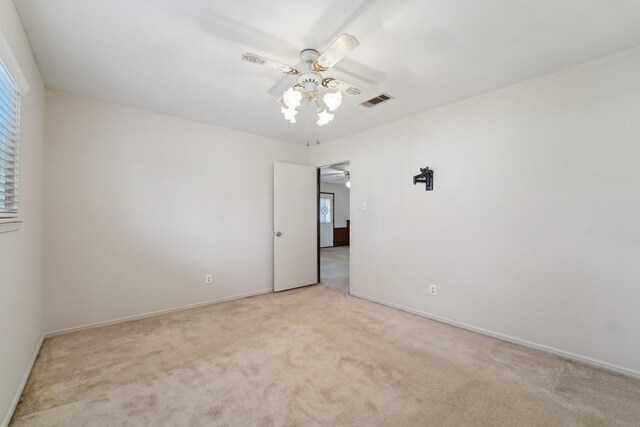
(311, 83)
(324, 117)
(292, 98)
(289, 114)
(332, 100)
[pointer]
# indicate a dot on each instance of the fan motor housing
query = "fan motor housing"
(310, 77)
(310, 82)
(309, 56)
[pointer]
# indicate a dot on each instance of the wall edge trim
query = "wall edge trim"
(16, 399)
(118, 320)
(507, 338)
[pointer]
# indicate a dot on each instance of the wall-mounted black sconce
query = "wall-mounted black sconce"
(426, 177)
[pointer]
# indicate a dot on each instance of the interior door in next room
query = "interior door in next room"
(326, 219)
(295, 232)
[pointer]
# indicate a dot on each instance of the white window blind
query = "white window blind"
(9, 138)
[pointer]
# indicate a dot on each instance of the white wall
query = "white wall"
(140, 206)
(21, 324)
(532, 229)
(342, 207)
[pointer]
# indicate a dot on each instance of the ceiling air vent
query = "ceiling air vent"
(377, 100)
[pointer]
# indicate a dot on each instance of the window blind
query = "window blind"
(9, 138)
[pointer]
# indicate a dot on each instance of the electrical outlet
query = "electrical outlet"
(208, 279)
(364, 206)
(432, 290)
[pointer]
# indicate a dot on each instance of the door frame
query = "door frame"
(318, 210)
(318, 217)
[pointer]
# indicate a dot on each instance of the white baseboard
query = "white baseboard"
(16, 398)
(152, 313)
(567, 355)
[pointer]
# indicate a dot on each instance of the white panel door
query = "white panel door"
(295, 226)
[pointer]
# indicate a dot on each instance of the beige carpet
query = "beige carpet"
(334, 268)
(311, 356)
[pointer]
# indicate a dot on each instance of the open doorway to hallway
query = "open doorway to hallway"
(335, 226)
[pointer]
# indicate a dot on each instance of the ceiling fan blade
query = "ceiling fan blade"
(347, 88)
(250, 57)
(338, 50)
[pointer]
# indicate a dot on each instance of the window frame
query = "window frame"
(11, 221)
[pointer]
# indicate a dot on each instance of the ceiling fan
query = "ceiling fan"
(311, 80)
(341, 176)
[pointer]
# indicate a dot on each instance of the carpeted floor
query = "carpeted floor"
(334, 268)
(311, 356)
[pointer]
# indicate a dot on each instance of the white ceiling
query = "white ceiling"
(335, 174)
(183, 57)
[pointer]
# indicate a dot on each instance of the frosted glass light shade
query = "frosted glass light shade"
(292, 98)
(324, 117)
(332, 100)
(289, 114)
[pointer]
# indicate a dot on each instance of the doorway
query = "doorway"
(334, 224)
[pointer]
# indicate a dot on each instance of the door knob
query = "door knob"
(277, 234)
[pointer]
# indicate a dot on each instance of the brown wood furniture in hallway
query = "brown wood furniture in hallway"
(341, 235)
